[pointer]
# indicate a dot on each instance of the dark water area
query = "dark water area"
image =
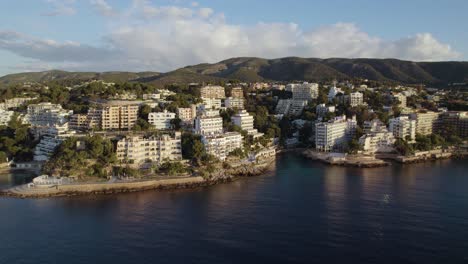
(10, 179)
(303, 212)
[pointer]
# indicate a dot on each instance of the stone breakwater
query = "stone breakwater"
(80, 189)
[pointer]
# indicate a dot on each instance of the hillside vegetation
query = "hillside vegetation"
(284, 69)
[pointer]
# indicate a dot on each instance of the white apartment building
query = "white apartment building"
(290, 107)
(246, 122)
(51, 138)
(332, 135)
(44, 114)
(158, 149)
(213, 92)
(356, 99)
(425, 122)
(187, 114)
(403, 127)
(208, 125)
(234, 102)
(377, 139)
(5, 117)
(212, 103)
(304, 91)
(222, 144)
(321, 110)
(161, 120)
(401, 98)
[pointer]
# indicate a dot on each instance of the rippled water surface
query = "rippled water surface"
(303, 212)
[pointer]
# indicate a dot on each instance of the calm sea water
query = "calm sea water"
(304, 212)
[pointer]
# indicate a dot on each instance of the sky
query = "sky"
(162, 35)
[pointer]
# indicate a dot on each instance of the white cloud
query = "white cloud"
(161, 38)
(103, 7)
(61, 7)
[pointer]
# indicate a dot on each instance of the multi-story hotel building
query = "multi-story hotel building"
(158, 149)
(304, 91)
(426, 122)
(214, 92)
(403, 127)
(207, 124)
(401, 99)
(377, 139)
(50, 138)
(222, 144)
(246, 122)
(290, 107)
(454, 122)
(331, 135)
(119, 116)
(356, 99)
(212, 103)
(234, 102)
(187, 114)
(161, 120)
(45, 114)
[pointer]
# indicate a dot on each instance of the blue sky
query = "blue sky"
(160, 35)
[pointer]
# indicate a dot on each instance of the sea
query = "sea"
(301, 212)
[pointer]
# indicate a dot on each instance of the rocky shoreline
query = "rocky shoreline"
(84, 189)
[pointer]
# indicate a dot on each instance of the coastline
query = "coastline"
(190, 182)
(380, 160)
(219, 177)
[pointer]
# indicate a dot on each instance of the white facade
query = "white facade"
(401, 98)
(234, 102)
(290, 107)
(304, 91)
(425, 122)
(377, 139)
(246, 122)
(154, 149)
(243, 120)
(403, 127)
(333, 134)
(223, 144)
(208, 125)
(214, 92)
(45, 114)
(212, 103)
(161, 120)
(51, 138)
(356, 99)
(187, 114)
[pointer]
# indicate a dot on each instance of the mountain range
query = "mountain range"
(249, 69)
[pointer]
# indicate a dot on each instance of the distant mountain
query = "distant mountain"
(284, 69)
(57, 75)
